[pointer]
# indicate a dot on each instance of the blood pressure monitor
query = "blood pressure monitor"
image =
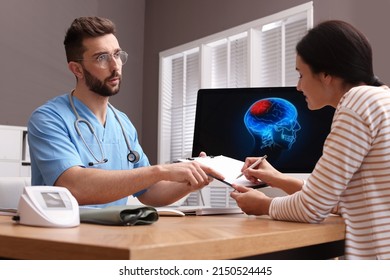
(48, 206)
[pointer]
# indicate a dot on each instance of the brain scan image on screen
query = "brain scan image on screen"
(273, 124)
(253, 122)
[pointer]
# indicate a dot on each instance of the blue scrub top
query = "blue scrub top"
(55, 145)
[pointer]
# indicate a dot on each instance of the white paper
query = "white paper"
(230, 168)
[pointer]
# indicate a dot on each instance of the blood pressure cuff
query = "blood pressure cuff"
(126, 215)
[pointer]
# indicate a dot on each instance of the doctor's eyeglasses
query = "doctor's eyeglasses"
(103, 60)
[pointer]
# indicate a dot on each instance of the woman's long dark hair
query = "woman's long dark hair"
(337, 48)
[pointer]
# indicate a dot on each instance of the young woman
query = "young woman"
(352, 178)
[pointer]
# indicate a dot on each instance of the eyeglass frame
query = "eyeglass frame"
(103, 64)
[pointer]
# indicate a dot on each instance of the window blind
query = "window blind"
(181, 102)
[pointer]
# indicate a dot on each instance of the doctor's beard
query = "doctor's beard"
(99, 87)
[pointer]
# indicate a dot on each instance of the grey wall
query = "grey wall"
(33, 65)
(169, 23)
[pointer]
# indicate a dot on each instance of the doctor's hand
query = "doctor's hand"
(193, 174)
(202, 154)
(251, 201)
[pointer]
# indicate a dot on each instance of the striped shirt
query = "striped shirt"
(352, 176)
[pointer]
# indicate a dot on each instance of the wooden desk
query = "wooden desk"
(190, 237)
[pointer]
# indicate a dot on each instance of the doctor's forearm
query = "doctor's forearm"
(95, 186)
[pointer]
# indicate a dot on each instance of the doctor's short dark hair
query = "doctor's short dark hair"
(83, 28)
(337, 48)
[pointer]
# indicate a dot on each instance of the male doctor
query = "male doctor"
(81, 142)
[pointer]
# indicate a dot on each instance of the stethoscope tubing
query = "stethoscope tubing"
(132, 156)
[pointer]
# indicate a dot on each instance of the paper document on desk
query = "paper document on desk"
(230, 168)
(197, 211)
(8, 211)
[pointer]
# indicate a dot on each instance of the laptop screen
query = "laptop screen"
(244, 122)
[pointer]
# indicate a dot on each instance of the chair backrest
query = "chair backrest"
(11, 188)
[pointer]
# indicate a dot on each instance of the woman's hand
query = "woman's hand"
(251, 201)
(264, 172)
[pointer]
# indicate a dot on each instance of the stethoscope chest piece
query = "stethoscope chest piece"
(133, 156)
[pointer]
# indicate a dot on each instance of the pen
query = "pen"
(256, 163)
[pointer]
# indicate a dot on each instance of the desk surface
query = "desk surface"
(190, 237)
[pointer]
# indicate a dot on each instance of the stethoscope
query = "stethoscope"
(132, 156)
